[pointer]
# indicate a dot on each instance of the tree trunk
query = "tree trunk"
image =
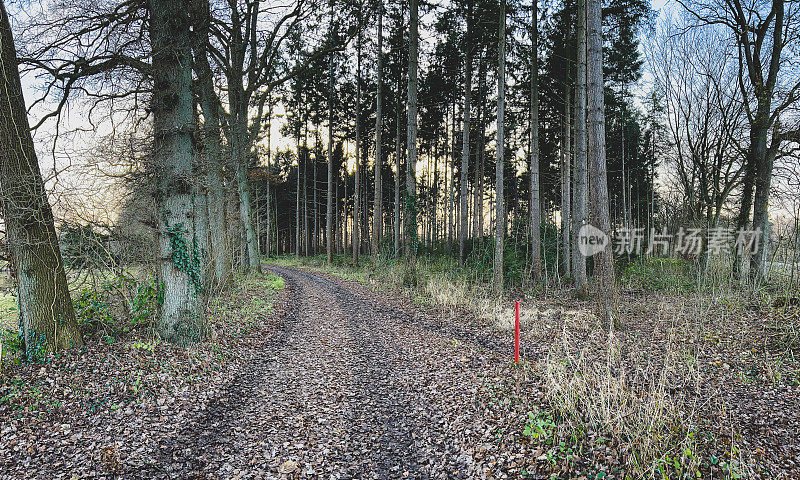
(580, 203)
(763, 163)
(212, 141)
(398, 153)
(468, 40)
(329, 202)
(357, 192)
(411, 162)
(481, 145)
(240, 149)
(315, 210)
(269, 171)
(297, 187)
(180, 316)
(535, 207)
(377, 211)
(306, 159)
(500, 223)
(604, 282)
(566, 184)
(47, 318)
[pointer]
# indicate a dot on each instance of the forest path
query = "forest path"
(352, 389)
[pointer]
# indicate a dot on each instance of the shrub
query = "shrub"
(659, 274)
(10, 343)
(118, 306)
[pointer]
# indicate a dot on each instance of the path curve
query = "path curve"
(349, 388)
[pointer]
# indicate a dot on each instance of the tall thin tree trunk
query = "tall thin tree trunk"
(604, 281)
(398, 170)
(566, 184)
(315, 209)
(377, 210)
(357, 192)
(212, 138)
(468, 40)
(535, 207)
(580, 204)
(269, 172)
(448, 217)
(411, 162)
(306, 159)
(329, 202)
(453, 154)
(47, 317)
(500, 224)
(297, 186)
(481, 144)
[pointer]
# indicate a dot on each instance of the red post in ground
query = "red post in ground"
(516, 332)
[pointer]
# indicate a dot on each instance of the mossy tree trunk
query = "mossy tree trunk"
(180, 263)
(47, 318)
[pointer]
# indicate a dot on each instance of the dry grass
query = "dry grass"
(599, 399)
(659, 395)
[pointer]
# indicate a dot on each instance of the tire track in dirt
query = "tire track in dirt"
(348, 388)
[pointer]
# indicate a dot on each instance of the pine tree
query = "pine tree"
(377, 214)
(603, 275)
(500, 221)
(533, 165)
(411, 181)
(580, 204)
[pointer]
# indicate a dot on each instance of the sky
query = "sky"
(95, 194)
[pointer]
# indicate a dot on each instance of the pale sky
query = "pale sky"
(99, 193)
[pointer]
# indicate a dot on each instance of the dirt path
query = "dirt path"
(347, 389)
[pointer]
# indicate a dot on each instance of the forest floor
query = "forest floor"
(696, 384)
(331, 382)
(329, 378)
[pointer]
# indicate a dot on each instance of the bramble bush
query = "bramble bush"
(118, 307)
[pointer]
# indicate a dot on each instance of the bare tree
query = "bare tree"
(47, 316)
(697, 71)
(765, 33)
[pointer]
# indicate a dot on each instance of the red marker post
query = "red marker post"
(516, 332)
